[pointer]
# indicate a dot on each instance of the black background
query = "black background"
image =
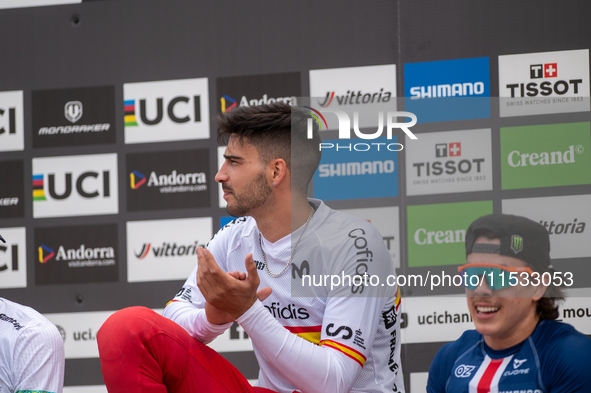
(98, 105)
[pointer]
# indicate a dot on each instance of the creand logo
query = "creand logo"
(518, 159)
(345, 129)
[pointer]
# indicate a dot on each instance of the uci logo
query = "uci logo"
(463, 371)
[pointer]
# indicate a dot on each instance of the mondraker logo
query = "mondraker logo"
(136, 179)
(355, 98)
(73, 111)
(45, 253)
(227, 103)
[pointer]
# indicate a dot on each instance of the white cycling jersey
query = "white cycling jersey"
(339, 339)
(32, 355)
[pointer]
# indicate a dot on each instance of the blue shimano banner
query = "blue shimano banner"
(448, 90)
(357, 168)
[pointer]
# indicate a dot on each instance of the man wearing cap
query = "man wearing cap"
(517, 345)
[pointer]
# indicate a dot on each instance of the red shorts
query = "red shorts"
(141, 351)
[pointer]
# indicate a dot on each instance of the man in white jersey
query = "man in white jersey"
(32, 355)
(343, 338)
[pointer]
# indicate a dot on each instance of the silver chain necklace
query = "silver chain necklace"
(292, 254)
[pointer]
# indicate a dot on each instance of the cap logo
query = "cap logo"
(516, 244)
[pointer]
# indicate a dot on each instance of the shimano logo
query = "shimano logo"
(516, 372)
(456, 89)
(356, 168)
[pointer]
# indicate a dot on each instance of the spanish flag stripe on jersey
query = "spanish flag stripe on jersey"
(308, 333)
(398, 299)
(353, 354)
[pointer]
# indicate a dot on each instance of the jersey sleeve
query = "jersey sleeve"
(39, 360)
(440, 369)
(187, 308)
(565, 368)
(333, 359)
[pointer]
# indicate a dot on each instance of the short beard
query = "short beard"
(252, 198)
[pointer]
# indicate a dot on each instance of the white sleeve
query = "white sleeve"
(39, 360)
(188, 310)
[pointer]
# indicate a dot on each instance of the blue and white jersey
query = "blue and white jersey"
(554, 359)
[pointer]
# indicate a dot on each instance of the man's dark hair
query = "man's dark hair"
(547, 307)
(276, 130)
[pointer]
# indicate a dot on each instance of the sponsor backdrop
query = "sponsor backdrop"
(108, 150)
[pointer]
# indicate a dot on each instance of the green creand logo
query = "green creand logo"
(545, 155)
(436, 233)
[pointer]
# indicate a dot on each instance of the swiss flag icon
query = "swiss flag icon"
(550, 70)
(455, 149)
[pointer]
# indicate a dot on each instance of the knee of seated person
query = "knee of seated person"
(126, 324)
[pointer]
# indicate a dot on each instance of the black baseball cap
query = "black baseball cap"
(521, 238)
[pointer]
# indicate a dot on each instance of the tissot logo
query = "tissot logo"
(448, 80)
(75, 185)
(11, 121)
(79, 116)
(13, 269)
(168, 180)
(353, 89)
(435, 166)
(258, 90)
(166, 110)
(565, 218)
(76, 254)
(12, 189)
(547, 82)
(162, 250)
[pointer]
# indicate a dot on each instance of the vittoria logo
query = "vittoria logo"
(541, 83)
(367, 90)
(166, 110)
(75, 185)
(160, 250)
(355, 98)
(564, 217)
(79, 116)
